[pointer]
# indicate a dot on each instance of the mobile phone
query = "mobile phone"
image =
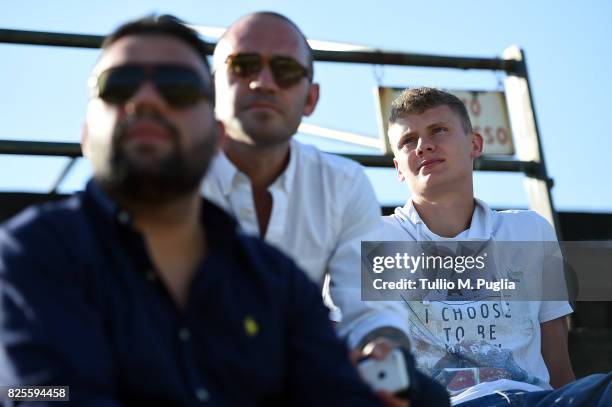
(390, 374)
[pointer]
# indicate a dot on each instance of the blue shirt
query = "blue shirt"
(82, 305)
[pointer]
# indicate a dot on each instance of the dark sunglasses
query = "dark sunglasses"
(286, 70)
(179, 85)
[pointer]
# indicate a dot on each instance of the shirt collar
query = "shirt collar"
(481, 226)
(225, 170)
(287, 177)
(228, 173)
(110, 208)
(219, 225)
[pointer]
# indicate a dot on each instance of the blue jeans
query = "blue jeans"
(592, 391)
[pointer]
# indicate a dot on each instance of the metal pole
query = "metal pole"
(47, 148)
(374, 56)
(527, 137)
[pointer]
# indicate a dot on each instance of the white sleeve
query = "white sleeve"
(550, 310)
(361, 221)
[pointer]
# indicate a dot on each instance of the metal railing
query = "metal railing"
(366, 56)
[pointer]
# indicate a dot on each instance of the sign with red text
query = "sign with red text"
(487, 110)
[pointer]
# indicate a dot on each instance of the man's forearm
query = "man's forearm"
(555, 352)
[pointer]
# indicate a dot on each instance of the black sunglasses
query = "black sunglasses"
(179, 85)
(286, 70)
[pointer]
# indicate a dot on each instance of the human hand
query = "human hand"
(379, 349)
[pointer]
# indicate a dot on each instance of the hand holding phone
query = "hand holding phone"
(389, 374)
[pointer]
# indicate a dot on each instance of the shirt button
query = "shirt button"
(123, 217)
(201, 394)
(184, 334)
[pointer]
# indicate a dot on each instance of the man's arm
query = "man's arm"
(361, 221)
(553, 314)
(49, 333)
(555, 353)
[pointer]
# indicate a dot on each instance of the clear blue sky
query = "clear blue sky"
(567, 45)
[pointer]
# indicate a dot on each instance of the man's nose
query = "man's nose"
(264, 81)
(424, 145)
(146, 95)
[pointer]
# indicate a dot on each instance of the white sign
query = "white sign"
(487, 110)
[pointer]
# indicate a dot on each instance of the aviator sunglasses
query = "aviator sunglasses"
(285, 70)
(179, 85)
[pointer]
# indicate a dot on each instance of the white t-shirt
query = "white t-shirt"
(476, 347)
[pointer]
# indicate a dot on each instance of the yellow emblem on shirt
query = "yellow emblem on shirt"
(250, 326)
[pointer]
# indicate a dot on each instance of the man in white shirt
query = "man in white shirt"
(315, 207)
(485, 352)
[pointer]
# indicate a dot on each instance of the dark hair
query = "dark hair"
(309, 51)
(163, 25)
(417, 100)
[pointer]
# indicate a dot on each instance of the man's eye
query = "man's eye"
(408, 142)
(439, 130)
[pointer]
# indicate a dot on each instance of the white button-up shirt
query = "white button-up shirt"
(323, 206)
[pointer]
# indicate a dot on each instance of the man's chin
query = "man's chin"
(151, 181)
(154, 176)
(262, 115)
(146, 169)
(150, 192)
(267, 136)
(146, 160)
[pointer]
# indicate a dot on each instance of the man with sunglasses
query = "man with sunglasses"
(139, 292)
(315, 207)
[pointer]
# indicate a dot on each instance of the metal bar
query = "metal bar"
(47, 148)
(548, 186)
(530, 168)
(339, 135)
(365, 57)
(382, 57)
(527, 137)
(63, 175)
(50, 38)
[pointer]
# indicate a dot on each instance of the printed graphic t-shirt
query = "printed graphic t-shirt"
(476, 347)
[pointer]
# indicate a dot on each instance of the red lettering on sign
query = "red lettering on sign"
(489, 139)
(502, 135)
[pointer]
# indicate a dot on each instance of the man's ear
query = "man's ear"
(312, 99)
(477, 145)
(400, 176)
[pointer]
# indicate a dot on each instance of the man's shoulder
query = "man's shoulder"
(393, 230)
(522, 225)
(47, 215)
(333, 165)
(518, 214)
(399, 226)
(43, 234)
